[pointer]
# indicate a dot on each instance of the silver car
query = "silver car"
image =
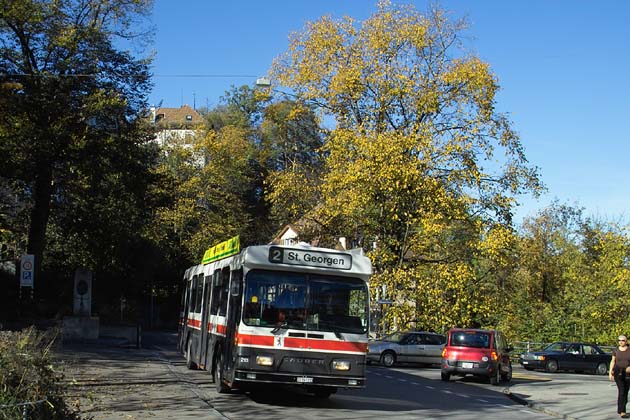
(410, 347)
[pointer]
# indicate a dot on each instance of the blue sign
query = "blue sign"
(27, 270)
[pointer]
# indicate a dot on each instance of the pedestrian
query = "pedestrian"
(619, 372)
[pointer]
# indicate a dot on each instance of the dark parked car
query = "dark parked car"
(410, 346)
(568, 356)
(483, 353)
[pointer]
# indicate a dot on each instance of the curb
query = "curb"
(520, 400)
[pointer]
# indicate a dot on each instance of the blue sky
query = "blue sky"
(563, 67)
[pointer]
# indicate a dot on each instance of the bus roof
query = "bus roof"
(300, 257)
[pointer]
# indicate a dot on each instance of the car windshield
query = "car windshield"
(477, 339)
(306, 302)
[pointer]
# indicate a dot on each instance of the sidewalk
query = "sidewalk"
(112, 380)
(588, 397)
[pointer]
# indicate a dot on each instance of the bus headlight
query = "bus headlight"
(341, 365)
(264, 360)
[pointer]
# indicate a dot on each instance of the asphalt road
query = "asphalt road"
(112, 381)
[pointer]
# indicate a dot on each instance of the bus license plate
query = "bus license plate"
(467, 365)
(304, 380)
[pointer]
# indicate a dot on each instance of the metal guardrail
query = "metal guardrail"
(24, 405)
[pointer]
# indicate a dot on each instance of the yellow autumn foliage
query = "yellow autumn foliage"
(411, 161)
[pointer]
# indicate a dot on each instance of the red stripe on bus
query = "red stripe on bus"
(304, 343)
(255, 340)
(221, 329)
(194, 323)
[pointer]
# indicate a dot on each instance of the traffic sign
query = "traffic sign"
(27, 270)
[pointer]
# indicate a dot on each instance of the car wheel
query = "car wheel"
(446, 376)
(602, 369)
(496, 377)
(388, 358)
(507, 377)
(551, 366)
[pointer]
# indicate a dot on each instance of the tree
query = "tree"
(410, 162)
(291, 143)
(71, 116)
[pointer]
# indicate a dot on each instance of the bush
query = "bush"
(30, 387)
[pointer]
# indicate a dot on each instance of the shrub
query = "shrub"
(30, 387)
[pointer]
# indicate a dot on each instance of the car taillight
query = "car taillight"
(444, 352)
(494, 356)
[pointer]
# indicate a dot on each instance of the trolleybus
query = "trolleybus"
(272, 314)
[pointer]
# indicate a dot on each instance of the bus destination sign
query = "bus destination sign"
(310, 258)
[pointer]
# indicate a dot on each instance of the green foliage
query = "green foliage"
(28, 375)
(71, 129)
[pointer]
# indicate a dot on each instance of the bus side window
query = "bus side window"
(235, 282)
(206, 291)
(198, 299)
(216, 292)
(208, 298)
(225, 283)
(193, 294)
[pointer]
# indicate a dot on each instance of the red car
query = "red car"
(483, 353)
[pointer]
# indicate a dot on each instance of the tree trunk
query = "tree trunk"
(39, 215)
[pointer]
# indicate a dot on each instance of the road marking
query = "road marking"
(462, 395)
(429, 386)
(483, 401)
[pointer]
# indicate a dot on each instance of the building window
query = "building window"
(188, 117)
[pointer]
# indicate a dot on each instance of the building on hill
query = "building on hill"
(175, 125)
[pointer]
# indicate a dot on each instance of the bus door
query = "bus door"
(183, 316)
(205, 321)
(233, 320)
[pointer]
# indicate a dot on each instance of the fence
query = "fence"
(9, 411)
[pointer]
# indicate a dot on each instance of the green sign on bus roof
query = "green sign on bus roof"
(230, 247)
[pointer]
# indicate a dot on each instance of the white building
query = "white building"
(176, 125)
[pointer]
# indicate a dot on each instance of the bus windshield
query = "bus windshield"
(306, 301)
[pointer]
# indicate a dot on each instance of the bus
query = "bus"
(276, 314)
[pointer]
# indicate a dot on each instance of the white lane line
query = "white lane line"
(462, 395)
(429, 387)
(483, 401)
